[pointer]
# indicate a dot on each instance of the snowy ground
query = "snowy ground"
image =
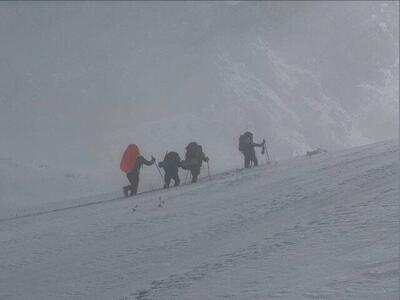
(27, 188)
(320, 228)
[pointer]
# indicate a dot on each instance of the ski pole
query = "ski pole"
(208, 169)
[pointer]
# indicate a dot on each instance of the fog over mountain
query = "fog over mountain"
(81, 80)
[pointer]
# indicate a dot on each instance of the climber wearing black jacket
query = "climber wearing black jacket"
(194, 158)
(246, 147)
(170, 164)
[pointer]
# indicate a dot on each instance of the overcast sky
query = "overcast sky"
(81, 80)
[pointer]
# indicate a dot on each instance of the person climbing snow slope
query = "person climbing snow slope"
(171, 164)
(246, 147)
(131, 163)
(194, 158)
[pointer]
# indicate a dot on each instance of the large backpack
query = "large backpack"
(245, 141)
(172, 156)
(129, 158)
(193, 151)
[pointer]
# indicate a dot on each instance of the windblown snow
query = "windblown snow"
(324, 227)
(80, 81)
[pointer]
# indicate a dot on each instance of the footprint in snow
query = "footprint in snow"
(161, 202)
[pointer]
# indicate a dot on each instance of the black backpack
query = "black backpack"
(245, 141)
(172, 156)
(193, 151)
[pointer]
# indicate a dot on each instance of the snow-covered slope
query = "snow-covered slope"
(319, 228)
(26, 188)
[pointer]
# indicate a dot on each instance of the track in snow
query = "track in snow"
(108, 198)
(325, 228)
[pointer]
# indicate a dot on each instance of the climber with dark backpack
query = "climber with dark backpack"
(131, 163)
(171, 164)
(246, 147)
(194, 158)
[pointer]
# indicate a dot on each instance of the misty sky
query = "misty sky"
(81, 80)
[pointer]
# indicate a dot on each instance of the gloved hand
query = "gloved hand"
(153, 159)
(206, 159)
(264, 141)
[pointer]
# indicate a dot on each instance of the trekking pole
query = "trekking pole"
(187, 174)
(159, 171)
(266, 152)
(208, 169)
